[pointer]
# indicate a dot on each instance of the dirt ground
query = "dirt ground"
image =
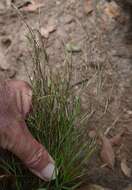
(102, 56)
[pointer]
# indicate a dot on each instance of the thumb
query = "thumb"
(20, 142)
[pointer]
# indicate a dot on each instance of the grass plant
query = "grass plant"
(53, 122)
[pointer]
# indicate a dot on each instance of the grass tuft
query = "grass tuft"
(53, 122)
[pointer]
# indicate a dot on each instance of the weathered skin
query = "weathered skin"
(15, 104)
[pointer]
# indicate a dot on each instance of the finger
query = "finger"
(23, 94)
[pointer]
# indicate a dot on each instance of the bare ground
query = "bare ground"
(104, 61)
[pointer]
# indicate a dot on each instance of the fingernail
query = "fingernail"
(49, 172)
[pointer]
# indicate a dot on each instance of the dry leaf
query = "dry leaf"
(67, 19)
(33, 6)
(51, 27)
(47, 30)
(125, 169)
(116, 140)
(112, 10)
(88, 6)
(107, 153)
